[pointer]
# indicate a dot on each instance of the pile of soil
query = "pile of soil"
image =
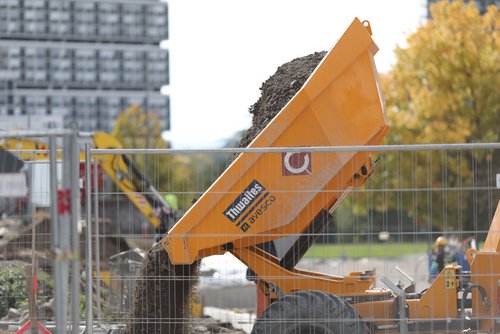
(278, 90)
(162, 295)
(163, 292)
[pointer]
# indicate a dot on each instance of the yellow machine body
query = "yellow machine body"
(113, 164)
(116, 168)
(485, 272)
(262, 196)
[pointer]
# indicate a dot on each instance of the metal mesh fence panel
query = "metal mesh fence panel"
(383, 230)
(399, 238)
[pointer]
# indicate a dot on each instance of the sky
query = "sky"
(222, 50)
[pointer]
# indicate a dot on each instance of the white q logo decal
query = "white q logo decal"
(297, 163)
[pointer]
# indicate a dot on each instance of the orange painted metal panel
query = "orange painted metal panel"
(492, 243)
(263, 193)
(268, 269)
(439, 301)
(485, 271)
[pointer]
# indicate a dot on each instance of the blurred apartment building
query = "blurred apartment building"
(481, 5)
(81, 61)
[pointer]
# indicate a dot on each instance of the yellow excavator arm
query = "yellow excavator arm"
(118, 167)
(129, 179)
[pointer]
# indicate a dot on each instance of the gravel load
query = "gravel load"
(278, 90)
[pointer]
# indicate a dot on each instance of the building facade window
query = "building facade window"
(94, 81)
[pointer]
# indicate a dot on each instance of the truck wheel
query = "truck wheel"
(310, 312)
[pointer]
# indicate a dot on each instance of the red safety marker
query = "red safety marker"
(27, 325)
(63, 201)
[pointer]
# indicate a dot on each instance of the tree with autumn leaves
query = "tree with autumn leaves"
(444, 88)
(185, 175)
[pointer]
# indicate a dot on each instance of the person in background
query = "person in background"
(459, 255)
(440, 257)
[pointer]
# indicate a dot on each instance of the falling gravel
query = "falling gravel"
(162, 295)
(163, 291)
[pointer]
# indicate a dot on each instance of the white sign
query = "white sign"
(297, 163)
(498, 181)
(13, 185)
(383, 236)
(40, 183)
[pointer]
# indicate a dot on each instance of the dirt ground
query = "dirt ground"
(18, 247)
(163, 291)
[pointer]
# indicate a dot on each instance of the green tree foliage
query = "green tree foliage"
(13, 292)
(136, 128)
(12, 289)
(444, 88)
(185, 175)
(447, 78)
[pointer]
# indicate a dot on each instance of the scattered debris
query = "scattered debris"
(16, 239)
(209, 325)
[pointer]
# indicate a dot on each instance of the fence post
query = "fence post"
(59, 297)
(96, 235)
(61, 209)
(88, 241)
(74, 188)
(33, 317)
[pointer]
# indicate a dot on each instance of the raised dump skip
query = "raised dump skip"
(256, 198)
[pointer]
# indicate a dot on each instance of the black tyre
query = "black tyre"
(310, 312)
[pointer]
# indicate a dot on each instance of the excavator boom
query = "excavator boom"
(118, 167)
